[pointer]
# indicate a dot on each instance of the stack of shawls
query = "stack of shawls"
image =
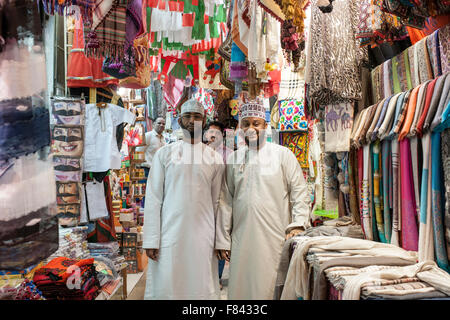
(354, 251)
(426, 271)
(67, 279)
(72, 244)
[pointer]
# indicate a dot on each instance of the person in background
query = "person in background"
(214, 139)
(154, 140)
(182, 198)
(263, 202)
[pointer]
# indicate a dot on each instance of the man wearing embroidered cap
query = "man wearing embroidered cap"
(180, 214)
(263, 202)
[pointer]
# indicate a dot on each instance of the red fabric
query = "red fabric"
(58, 267)
(188, 20)
(428, 96)
(83, 71)
(152, 3)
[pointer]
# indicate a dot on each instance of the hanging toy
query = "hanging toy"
(213, 67)
(234, 106)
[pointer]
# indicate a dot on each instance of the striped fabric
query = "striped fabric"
(108, 38)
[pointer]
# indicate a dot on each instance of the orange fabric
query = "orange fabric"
(411, 108)
(431, 25)
(83, 71)
(415, 34)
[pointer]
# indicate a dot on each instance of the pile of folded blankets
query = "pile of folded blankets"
(343, 268)
(67, 279)
(72, 243)
(108, 251)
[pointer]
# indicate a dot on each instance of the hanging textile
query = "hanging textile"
(338, 127)
(298, 143)
(333, 73)
(292, 115)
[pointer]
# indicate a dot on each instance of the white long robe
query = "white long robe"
(263, 197)
(180, 214)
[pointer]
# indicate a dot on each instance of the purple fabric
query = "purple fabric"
(410, 232)
(134, 23)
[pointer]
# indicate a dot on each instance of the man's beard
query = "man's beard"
(190, 133)
(260, 136)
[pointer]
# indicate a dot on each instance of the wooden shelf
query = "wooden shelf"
(137, 161)
(136, 101)
(140, 119)
(139, 196)
(137, 179)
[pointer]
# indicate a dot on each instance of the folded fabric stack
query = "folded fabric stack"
(105, 249)
(68, 279)
(306, 278)
(106, 271)
(72, 243)
(109, 251)
(419, 281)
(343, 226)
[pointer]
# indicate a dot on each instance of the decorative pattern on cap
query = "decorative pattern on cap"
(192, 105)
(253, 109)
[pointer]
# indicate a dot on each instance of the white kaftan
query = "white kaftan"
(180, 212)
(263, 197)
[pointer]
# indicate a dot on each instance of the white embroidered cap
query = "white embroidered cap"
(252, 109)
(192, 105)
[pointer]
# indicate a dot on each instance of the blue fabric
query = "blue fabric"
(445, 120)
(221, 267)
(437, 202)
(24, 137)
(398, 107)
(15, 110)
(381, 118)
(385, 164)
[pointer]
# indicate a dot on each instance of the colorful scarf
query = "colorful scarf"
(377, 186)
(396, 204)
(108, 38)
(437, 202)
(387, 187)
(410, 232)
(426, 245)
(444, 49)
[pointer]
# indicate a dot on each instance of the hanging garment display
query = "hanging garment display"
(209, 72)
(100, 148)
(298, 144)
(333, 73)
(338, 127)
(292, 115)
(142, 62)
(81, 70)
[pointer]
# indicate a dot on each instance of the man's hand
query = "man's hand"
(223, 254)
(294, 232)
(152, 254)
